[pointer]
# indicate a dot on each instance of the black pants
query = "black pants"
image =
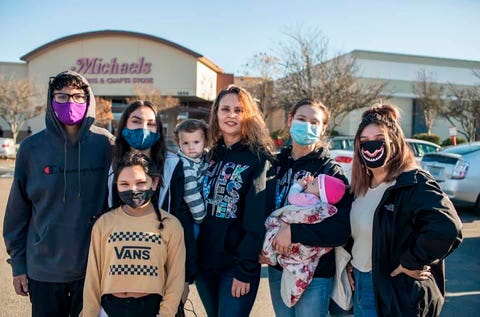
(56, 299)
(146, 306)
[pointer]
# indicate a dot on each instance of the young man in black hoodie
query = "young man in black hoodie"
(58, 186)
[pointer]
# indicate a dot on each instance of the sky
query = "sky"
(229, 33)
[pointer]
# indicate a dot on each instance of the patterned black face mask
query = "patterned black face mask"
(136, 198)
(374, 153)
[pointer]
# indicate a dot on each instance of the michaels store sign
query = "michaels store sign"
(130, 71)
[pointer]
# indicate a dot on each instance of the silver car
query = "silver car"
(457, 170)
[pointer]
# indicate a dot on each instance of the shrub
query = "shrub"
(448, 141)
(280, 138)
(277, 134)
(427, 137)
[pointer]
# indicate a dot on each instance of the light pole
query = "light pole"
(453, 134)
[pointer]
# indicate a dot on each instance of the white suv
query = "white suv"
(7, 147)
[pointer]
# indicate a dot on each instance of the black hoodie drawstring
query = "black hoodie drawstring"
(78, 168)
(65, 170)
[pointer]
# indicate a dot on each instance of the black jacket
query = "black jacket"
(174, 203)
(57, 187)
(415, 224)
(333, 231)
(236, 189)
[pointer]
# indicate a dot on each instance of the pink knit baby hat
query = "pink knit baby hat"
(331, 189)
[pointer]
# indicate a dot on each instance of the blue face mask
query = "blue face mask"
(140, 139)
(305, 133)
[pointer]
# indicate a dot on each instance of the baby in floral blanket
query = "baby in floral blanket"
(311, 201)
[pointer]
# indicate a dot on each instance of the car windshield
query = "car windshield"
(341, 144)
(462, 150)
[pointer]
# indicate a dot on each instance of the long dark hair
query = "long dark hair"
(158, 150)
(148, 166)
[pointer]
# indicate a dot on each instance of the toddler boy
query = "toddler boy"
(191, 137)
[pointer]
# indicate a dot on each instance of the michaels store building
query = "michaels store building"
(117, 64)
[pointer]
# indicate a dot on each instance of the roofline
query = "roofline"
(13, 63)
(210, 64)
(79, 36)
(409, 58)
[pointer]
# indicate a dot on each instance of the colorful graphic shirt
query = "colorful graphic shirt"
(237, 190)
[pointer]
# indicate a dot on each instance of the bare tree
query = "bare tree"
(308, 73)
(265, 68)
(341, 91)
(431, 97)
(464, 107)
(20, 100)
(298, 56)
(152, 94)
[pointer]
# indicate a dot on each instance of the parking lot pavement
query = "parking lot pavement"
(12, 305)
(6, 167)
(463, 266)
(462, 285)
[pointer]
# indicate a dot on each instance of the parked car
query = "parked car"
(457, 170)
(420, 148)
(341, 143)
(7, 147)
(341, 150)
(343, 158)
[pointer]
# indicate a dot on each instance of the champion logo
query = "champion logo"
(55, 169)
(390, 207)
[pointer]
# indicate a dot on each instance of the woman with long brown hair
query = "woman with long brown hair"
(236, 191)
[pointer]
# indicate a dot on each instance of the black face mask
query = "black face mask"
(136, 198)
(374, 153)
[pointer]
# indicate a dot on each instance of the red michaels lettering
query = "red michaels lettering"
(96, 65)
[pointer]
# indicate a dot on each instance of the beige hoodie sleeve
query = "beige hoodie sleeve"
(175, 269)
(92, 292)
